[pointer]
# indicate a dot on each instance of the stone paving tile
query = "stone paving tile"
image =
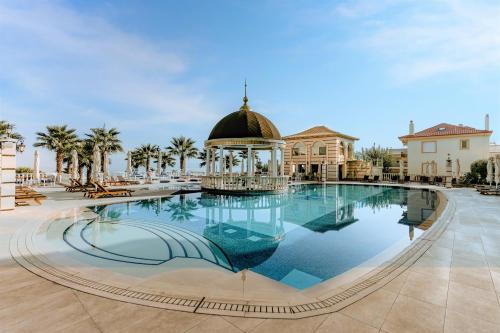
(479, 303)
(479, 277)
(290, 326)
(212, 325)
(429, 265)
(340, 323)
(372, 309)
(440, 253)
(244, 324)
(421, 287)
(397, 283)
(84, 326)
(54, 313)
(409, 315)
(458, 322)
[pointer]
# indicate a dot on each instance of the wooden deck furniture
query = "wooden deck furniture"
(24, 196)
(103, 192)
(77, 186)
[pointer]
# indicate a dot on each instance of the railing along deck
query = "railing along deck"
(244, 183)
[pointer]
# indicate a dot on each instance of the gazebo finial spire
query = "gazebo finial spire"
(245, 106)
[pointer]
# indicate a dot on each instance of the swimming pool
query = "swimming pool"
(300, 238)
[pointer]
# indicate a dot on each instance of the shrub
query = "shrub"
(24, 170)
(477, 174)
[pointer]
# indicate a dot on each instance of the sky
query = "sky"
(158, 69)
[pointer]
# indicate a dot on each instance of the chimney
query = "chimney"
(487, 122)
(411, 128)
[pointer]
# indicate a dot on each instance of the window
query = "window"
(429, 147)
(464, 144)
(299, 149)
(319, 148)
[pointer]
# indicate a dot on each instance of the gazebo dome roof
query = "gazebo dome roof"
(245, 123)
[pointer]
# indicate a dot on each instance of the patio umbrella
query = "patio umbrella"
(96, 164)
(36, 166)
(74, 164)
(457, 169)
(128, 172)
(401, 170)
(158, 164)
(497, 170)
(105, 164)
(489, 168)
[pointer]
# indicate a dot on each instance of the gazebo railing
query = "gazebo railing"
(244, 183)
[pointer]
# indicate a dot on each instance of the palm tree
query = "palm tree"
(236, 161)
(58, 139)
(184, 148)
(6, 128)
(142, 155)
(166, 159)
(202, 156)
(107, 140)
(85, 152)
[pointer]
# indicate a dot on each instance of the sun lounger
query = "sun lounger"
(490, 191)
(102, 192)
(77, 186)
(25, 195)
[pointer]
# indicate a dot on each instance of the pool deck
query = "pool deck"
(453, 287)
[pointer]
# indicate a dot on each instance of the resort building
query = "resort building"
(319, 153)
(494, 149)
(429, 149)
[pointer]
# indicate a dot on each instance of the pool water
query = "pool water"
(300, 238)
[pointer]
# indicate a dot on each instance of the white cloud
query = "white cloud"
(53, 55)
(421, 39)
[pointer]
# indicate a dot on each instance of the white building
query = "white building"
(429, 149)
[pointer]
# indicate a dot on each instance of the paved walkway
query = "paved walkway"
(454, 287)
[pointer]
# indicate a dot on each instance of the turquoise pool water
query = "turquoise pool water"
(300, 238)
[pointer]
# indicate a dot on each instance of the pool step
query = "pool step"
(177, 242)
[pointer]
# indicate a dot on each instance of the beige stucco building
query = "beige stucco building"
(319, 152)
(429, 149)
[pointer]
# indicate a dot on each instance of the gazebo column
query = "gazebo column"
(212, 167)
(221, 161)
(273, 162)
(230, 162)
(253, 162)
(207, 162)
(242, 165)
(282, 162)
(249, 161)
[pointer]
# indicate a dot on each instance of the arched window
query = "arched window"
(319, 148)
(299, 149)
(350, 150)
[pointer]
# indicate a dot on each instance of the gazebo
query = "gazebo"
(250, 132)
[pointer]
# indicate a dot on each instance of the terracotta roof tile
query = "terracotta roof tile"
(445, 129)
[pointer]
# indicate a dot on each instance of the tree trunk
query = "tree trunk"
(80, 172)
(183, 165)
(59, 164)
(89, 173)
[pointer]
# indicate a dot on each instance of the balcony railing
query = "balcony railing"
(244, 183)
